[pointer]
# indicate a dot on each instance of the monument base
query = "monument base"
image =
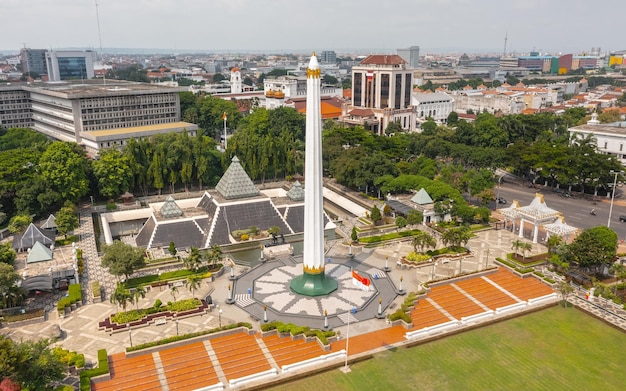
(309, 284)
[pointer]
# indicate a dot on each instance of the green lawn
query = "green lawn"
(555, 349)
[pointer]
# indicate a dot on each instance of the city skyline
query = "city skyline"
(296, 26)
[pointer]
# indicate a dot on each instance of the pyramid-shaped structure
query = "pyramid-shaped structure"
(296, 193)
(170, 208)
(422, 198)
(50, 223)
(236, 183)
(39, 253)
(31, 236)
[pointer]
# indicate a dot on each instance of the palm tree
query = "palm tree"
(554, 241)
(139, 293)
(194, 259)
(174, 292)
(216, 254)
(423, 239)
(193, 282)
(526, 247)
(120, 296)
(620, 274)
(516, 246)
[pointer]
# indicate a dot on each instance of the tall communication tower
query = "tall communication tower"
(506, 37)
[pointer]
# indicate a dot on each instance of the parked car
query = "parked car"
(622, 218)
(500, 200)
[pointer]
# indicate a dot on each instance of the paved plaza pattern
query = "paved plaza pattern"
(226, 359)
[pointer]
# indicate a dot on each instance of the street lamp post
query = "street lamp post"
(608, 224)
(130, 336)
(176, 321)
(219, 317)
(346, 368)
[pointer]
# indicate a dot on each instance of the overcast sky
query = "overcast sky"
(568, 26)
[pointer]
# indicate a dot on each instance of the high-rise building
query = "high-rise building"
(34, 60)
(381, 94)
(328, 57)
(411, 56)
(68, 65)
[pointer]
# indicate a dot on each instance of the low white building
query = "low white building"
(436, 105)
(610, 138)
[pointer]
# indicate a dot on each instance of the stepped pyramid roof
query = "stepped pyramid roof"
(422, 198)
(296, 193)
(236, 183)
(39, 253)
(170, 208)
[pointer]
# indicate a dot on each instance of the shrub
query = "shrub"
(157, 303)
(400, 314)
(245, 237)
(74, 295)
(417, 258)
(111, 206)
(103, 368)
(183, 337)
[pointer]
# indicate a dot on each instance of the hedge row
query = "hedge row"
(102, 369)
(167, 276)
(183, 337)
(297, 330)
(74, 295)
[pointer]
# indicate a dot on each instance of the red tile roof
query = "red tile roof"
(362, 113)
(383, 59)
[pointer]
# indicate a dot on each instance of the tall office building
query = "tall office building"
(381, 94)
(34, 60)
(328, 57)
(411, 56)
(68, 65)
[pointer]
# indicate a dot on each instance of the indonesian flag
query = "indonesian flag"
(360, 281)
(224, 116)
(370, 75)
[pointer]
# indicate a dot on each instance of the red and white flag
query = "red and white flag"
(360, 281)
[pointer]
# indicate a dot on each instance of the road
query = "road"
(576, 210)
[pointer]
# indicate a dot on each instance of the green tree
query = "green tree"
(215, 253)
(138, 293)
(32, 364)
(7, 254)
(19, 223)
(113, 173)
(174, 292)
(67, 219)
(593, 248)
(63, 167)
(121, 296)
(554, 242)
(193, 283)
(194, 259)
(423, 240)
(8, 279)
(565, 289)
(122, 259)
(414, 217)
(400, 222)
(375, 215)
(172, 249)
(353, 235)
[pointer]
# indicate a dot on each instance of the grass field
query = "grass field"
(554, 349)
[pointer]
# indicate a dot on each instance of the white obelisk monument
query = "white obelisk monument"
(313, 282)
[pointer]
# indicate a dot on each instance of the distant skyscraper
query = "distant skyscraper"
(328, 57)
(411, 56)
(34, 60)
(66, 65)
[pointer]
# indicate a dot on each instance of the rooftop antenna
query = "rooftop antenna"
(104, 77)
